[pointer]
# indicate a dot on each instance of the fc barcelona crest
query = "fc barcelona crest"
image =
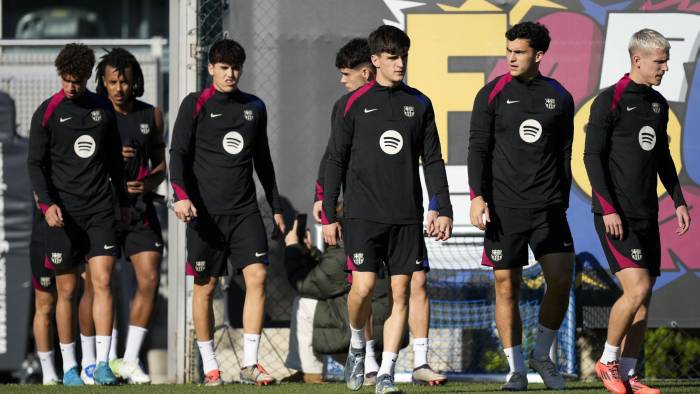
(358, 258)
(96, 115)
(656, 107)
(409, 111)
(145, 128)
(496, 255)
(636, 254)
(57, 258)
(45, 281)
(200, 265)
(550, 103)
(248, 114)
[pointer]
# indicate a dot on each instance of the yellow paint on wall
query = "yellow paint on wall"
(436, 37)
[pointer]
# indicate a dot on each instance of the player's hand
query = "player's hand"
(613, 225)
(683, 220)
(125, 215)
(479, 208)
(291, 238)
(128, 152)
(430, 218)
(135, 187)
(331, 233)
(185, 210)
(279, 222)
(443, 228)
(54, 216)
(316, 211)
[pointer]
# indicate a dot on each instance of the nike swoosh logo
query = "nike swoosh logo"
(568, 244)
(260, 254)
(512, 101)
(213, 115)
(630, 108)
(64, 119)
(370, 110)
(158, 244)
(108, 247)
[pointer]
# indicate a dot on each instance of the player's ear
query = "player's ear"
(539, 55)
(210, 68)
(375, 60)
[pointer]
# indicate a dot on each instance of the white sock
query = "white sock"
(370, 359)
(113, 345)
(357, 337)
(206, 351)
(610, 353)
(251, 343)
(134, 340)
(48, 371)
(388, 362)
(627, 366)
(516, 363)
(420, 352)
(87, 347)
(68, 355)
(543, 342)
(102, 343)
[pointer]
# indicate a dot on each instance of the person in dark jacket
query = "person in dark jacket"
(321, 307)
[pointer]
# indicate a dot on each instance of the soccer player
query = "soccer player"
(120, 79)
(74, 152)
(382, 193)
(354, 63)
(220, 135)
(519, 178)
(626, 148)
(44, 300)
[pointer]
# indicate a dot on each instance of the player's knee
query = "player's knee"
(148, 283)
(507, 288)
(559, 284)
(362, 289)
(418, 283)
(638, 294)
(101, 281)
(204, 287)
(255, 275)
(44, 308)
(399, 294)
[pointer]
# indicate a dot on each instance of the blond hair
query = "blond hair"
(648, 39)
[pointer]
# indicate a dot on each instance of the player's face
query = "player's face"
(225, 76)
(118, 84)
(390, 68)
(353, 78)
(72, 86)
(523, 60)
(651, 65)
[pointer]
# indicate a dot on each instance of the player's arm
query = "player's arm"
(600, 126)
(38, 160)
(318, 192)
(336, 167)
(181, 145)
(156, 155)
(262, 161)
(435, 175)
(669, 178)
(568, 141)
(115, 162)
(481, 131)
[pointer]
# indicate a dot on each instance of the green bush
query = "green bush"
(671, 354)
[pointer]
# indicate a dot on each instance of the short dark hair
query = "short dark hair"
(389, 39)
(535, 32)
(120, 59)
(75, 60)
(353, 54)
(227, 51)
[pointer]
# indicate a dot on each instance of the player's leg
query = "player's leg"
(418, 323)
(100, 276)
(371, 365)
(87, 330)
(44, 303)
(66, 286)
(394, 327)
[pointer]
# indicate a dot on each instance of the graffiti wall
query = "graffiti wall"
(458, 46)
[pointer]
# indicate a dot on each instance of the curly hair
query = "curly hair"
(227, 51)
(75, 60)
(535, 32)
(120, 59)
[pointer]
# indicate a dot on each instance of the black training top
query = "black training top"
(626, 147)
(74, 150)
(520, 143)
(217, 140)
(374, 152)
